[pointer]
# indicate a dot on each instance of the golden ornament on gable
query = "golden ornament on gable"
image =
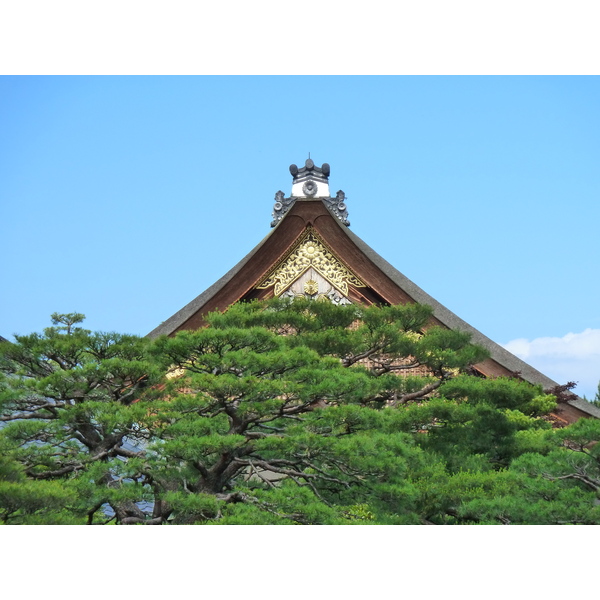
(310, 251)
(311, 287)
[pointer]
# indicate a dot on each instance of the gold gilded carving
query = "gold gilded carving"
(311, 287)
(310, 252)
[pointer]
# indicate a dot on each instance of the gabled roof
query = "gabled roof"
(327, 218)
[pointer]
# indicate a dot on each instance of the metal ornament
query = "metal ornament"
(310, 251)
(310, 188)
(311, 287)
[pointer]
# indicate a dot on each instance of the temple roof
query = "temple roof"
(311, 211)
(309, 183)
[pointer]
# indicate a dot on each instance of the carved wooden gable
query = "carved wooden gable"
(311, 269)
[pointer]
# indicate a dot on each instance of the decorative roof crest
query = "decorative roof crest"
(310, 182)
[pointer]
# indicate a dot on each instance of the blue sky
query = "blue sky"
(125, 197)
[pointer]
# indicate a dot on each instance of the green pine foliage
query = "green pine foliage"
(284, 412)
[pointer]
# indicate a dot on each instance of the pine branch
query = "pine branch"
(591, 483)
(419, 394)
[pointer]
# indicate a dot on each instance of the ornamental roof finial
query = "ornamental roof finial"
(310, 183)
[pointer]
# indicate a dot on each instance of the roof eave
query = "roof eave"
(173, 323)
(502, 356)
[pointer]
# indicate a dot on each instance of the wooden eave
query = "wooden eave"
(383, 282)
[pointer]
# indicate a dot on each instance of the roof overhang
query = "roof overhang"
(390, 284)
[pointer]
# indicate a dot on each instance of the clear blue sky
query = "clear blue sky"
(125, 197)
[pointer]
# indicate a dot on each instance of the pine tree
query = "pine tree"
(66, 405)
(596, 399)
(282, 412)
